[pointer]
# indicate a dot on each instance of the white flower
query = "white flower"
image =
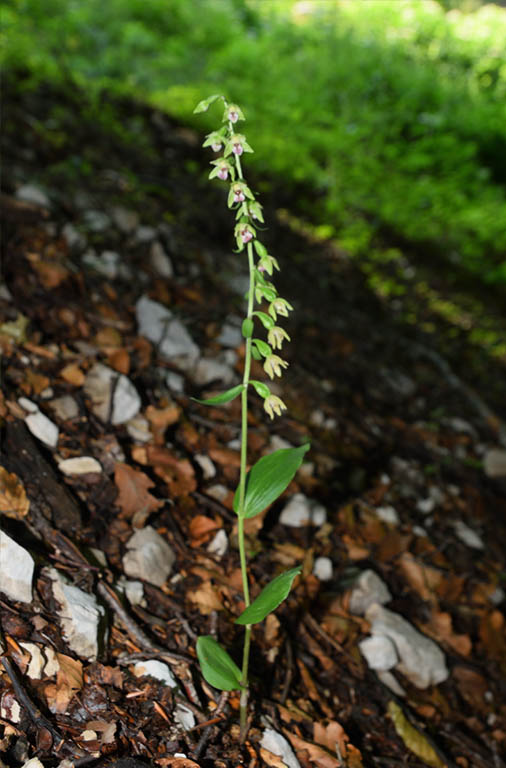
(274, 405)
(273, 366)
(276, 336)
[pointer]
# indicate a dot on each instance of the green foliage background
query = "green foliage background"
(392, 113)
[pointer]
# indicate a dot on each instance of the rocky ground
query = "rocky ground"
(122, 300)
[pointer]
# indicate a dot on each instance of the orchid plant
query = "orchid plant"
(271, 475)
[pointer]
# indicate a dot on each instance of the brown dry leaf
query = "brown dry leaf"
(73, 374)
(201, 529)
(440, 628)
(288, 554)
(225, 456)
(107, 730)
(472, 686)
(13, 500)
(50, 273)
(356, 550)
(108, 337)
(177, 473)
(413, 739)
(37, 382)
(160, 419)
(493, 636)
(119, 360)
(317, 754)
(70, 672)
(134, 499)
(176, 762)
(334, 734)
(69, 680)
(206, 597)
(422, 578)
(269, 758)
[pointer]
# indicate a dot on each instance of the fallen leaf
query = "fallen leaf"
(472, 687)
(73, 374)
(13, 499)
(50, 273)
(413, 739)
(206, 597)
(160, 419)
(36, 381)
(134, 499)
(201, 528)
(440, 628)
(119, 360)
(178, 474)
(176, 762)
(70, 672)
(422, 578)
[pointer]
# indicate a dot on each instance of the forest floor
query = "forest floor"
(406, 476)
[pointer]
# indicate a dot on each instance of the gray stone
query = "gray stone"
(301, 511)
(184, 716)
(160, 260)
(98, 386)
(16, 570)
(75, 240)
(96, 221)
(79, 465)
(230, 334)
(206, 465)
(379, 652)
(145, 234)
(210, 369)
(38, 423)
(467, 536)
(30, 193)
(494, 463)
(322, 568)
(174, 381)
(149, 557)
(388, 514)
(64, 407)
(367, 590)
(156, 669)
(134, 591)
(274, 742)
(107, 264)
(400, 384)
(218, 544)
(138, 429)
(158, 324)
(420, 659)
(125, 220)
(80, 616)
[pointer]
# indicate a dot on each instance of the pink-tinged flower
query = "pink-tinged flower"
(276, 336)
(274, 405)
(273, 365)
(223, 172)
(216, 147)
(239, 196)
(267, 264)
(246, 234)
(237, 148)
(233, 115)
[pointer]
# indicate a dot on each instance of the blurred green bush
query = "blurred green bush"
(393, 113)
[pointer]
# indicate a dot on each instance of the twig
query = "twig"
(289, 671)
(36, 716)
(205, 736)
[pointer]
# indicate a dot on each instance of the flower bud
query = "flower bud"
(216, 147)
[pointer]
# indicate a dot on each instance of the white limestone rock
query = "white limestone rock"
(379, 652)
(96, 221)
(230, 334)
(322, 568)
(388, 514)
(218, 544)
(206, 465)
(64, 408)
(274, 742)
(138, 429)
(156, 669)
(16, 570)
(80, 616)
(420, 659)
(75, 240)
(107, 264)
(125, 220)
(467, 536)
(494, 463)
(367, 590)
(149, 557)
(38, 423)
(209, 369)
(301, 511)
(185, 717)
(158, 324)
(144, 234)
(98, 386)
(79, 465)
(160, 261)
(30, 193)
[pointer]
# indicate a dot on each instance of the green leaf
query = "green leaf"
(266, 321)
(247, 327)
(256, 354)
(261, 388)
(260, 248)
(268, 478)
(269, 598)
(224, 397)
(218, 668)
(262, 347)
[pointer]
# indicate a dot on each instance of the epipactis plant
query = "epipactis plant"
(271, 475)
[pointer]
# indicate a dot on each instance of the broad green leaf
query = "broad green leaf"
(267, 321)
(218, 668)
(269, 598)
(224, 397)
(262, 347)
(261, 388)
(268, 478)
(260, 248)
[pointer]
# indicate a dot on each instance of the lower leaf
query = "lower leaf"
(269, 598)
(218, 668)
